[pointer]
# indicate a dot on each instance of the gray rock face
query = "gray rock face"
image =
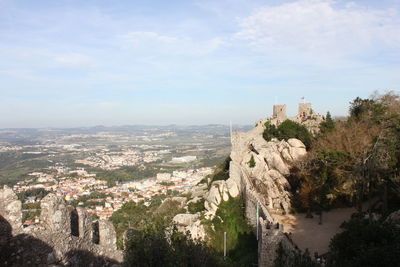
(272, 159)
(64, 236)
(296, 143)
(220, 191)
(233, 188)
(273, 162)
(185, 219)
(11, 208)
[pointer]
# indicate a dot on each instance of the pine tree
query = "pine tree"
(328, 125)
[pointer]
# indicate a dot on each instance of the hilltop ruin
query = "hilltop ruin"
(64, 236)
(305, 116)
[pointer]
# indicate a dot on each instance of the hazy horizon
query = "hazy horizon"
(70, 63)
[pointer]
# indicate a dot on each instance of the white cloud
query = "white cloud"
(322, 27)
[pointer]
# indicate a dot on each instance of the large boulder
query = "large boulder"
(296, 143)
(197, 230)
(276, 162)
(214, 195)
(185, 219)
(233, 188)
(235, 173)
(297, 152)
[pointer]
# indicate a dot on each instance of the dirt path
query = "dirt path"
(307, 233)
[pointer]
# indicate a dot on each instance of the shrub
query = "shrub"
(230, 218)
(221, 171)
(153, 248)
(252, 162)
(286, 130)
(196, 207)
(365, 243)
(270, 131)
(293, 258)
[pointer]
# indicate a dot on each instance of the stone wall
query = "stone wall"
(270, 236)
(279, 112)
(305, 116)
(305, 109)
(64, 236)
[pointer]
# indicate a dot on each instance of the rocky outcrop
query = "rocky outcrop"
(185, 219)
(272, 159)
(64, 236)
(262, 183)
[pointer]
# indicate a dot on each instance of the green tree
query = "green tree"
(221, 171)
(286, 258)
(328, 125)
(286, 130)
(241, 242)
(365, 243)
(150, 247)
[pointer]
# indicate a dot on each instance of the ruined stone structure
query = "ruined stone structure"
(64, 236)
(270, 236)
(305, 109)
(279, 112)
(306, 116)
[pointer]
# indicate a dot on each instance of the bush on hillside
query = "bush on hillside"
(286, 130)
(241, 242)
(365, 243)
(293, 258)
(196, 207)
(221, 171)
(151, 247)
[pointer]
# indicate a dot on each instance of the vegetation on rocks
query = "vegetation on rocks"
(286, 130)
(195, 207)
(139, 217)
(151, 247)
(221, 171)
(241, 242)
(252, 162)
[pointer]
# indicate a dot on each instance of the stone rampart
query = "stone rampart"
(270, 236)
(64, 235)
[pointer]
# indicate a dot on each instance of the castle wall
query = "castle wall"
(305, 109)
(63, 236)
(270, 236)
(279, 112)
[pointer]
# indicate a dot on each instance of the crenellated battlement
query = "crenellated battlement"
(67, 233)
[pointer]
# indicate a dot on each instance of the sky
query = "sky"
(70, 63)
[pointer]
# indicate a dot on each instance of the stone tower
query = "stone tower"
(305, 109)
(279, 112)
